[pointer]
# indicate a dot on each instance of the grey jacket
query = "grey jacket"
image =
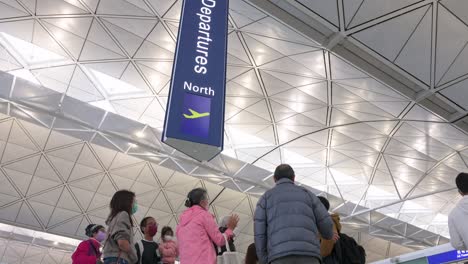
(119, 228)
(288, 220)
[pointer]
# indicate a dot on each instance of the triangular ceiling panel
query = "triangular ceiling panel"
(400, 30)
(98, 201)
(161, 7)
(9, 213)
(11, 9)
(452, 36)
(284, 47)
(123, 7)
(26, 217)
(19, 137)
(68, 34)
(161, 37)
(55, 78)
(59, 7)
(60, 215)
(129, 40)
(458, 68)
(324, 8)
(20, 180)
(49, 198)
(457, 7)
(88, 158)
(82, 171)
(99, 45)
(248, 84)
(236, 51)
(139, 27)
(67, 201)
(32, 32)
(274, 85)
(153, 51)
(293, 66)
(358, 12)
(27, 165)
(45, 170)
(261, 53)
(243, 14)
(39, 184)
(417, 51)
(7, 61)
(7, 189)
(147, 177)
(82, 88)
(174, 11)
(84, 197)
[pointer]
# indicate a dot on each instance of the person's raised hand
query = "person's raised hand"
(233, 221)
(336, 236)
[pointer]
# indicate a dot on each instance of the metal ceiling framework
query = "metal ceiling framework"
(21, 245)
(377, 140)
(53, 159)
(405, 44)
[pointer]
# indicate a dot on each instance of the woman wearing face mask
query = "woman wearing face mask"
(197, 230)
(88, 251)
(168, 248)
(118, 248)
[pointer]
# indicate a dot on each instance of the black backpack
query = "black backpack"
(351, 251)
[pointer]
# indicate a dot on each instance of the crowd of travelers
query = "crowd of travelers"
(291, 226)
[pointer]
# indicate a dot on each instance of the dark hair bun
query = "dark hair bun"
(195, 196)
(89, 230)
(188, 203)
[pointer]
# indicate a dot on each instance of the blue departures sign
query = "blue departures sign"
(448, 257)
(194, 121)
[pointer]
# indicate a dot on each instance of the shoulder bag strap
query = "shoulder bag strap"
(94, 248)
(141, 248)
(228, 248)
(109, 236)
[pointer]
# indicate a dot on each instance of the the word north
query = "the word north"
(197, 89)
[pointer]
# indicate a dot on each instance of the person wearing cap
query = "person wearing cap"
(88, 251)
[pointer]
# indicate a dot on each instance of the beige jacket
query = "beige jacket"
(326, 246)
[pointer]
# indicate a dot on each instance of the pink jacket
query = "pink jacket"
(87, 252)
(169, 252)
(196, 233)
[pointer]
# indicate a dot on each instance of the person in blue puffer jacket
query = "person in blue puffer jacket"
(287, 223)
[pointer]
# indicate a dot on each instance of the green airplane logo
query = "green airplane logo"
(195, 114)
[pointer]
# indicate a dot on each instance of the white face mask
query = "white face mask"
(168, 238)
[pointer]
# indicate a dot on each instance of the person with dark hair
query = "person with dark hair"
(251, 256)
(88, 251)
(327, 245)
(197, 230)
(287, 222)
(169, 249)
(118, 248)
(147, 249)
(457, 220)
